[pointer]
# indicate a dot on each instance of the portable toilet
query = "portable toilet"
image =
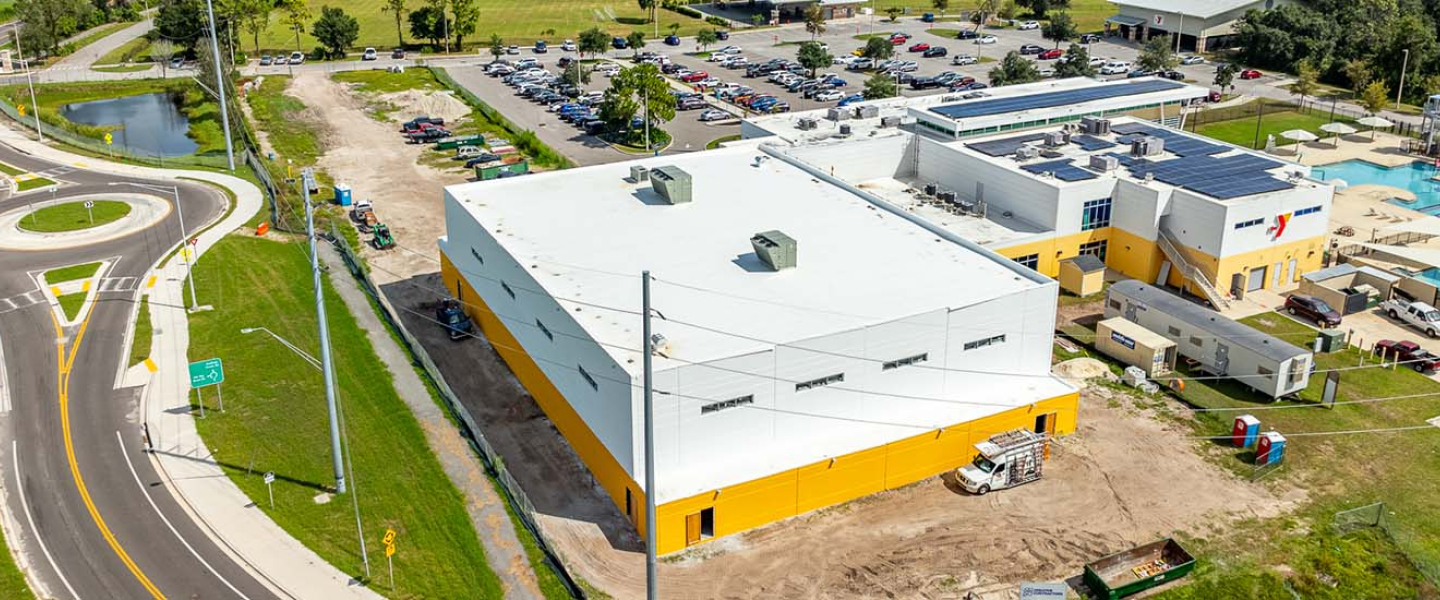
(342, 194)
(1246, 429)
(1270, 449)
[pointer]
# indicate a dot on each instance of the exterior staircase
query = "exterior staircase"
(1189, 272)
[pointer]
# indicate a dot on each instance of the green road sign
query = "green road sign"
(206, 372)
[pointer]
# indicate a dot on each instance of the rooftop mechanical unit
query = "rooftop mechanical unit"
(774, 248)
(1027, 152)
(838, 113)
(845, 129)
(639, 174)
(671, 183)
(1095, 125)
(806, 124)
(890, 121)
(1147, 146)
(867, 112)
(1104, 164)
(1055, 139)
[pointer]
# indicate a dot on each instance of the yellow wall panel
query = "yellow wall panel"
(851, 476)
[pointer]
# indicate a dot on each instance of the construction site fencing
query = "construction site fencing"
(112, 151)
(494, 463)
(1379, 516)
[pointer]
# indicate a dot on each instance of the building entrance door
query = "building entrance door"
(692, 529)
(1294, 270)
(1257, 279)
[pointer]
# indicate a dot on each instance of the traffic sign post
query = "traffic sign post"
(269, 479)
(90, 204)
(207, 373)
(389, 540)
(110, 139)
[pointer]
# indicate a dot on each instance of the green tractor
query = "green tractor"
(382, 240)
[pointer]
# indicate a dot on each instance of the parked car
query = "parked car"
(975, 94)
(672, 40)
(540, 47)
(861, 65)
(1250, 74)
(1192, 59)
(1408, 353)
(967, 34)
(619, 43)
(1031, 49)
(964, 59)
(722, 35)
(1051, 54)
(691, 103)
(397, 54)
(608, 69)
(1089, 38)
(1027, 25)
(728, 50)
(527, 63)
(1419, 315)
(900, 35)
(569, 46)
(921, 47)
(266, 60)
(280, 59)
(986, 39)
(369, 54)
(513, 49)
(1139, 73)
(829, 95)
(296, 58)
(1173, 75)
(1045, 71)
(1115, 67)
(713, 114)
(935, 52)
(851, 99)
(482, 159)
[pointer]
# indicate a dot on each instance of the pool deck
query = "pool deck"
(1386, 150)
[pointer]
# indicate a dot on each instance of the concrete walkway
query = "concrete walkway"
(485, 506)
(85, 57)
(214, 502)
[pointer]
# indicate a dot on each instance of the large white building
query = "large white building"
(888, 349)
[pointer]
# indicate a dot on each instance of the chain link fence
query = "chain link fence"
(1379, 516)
(1331, 111)
(512, 491)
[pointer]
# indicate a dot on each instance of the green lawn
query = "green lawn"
(71, 273)
(136, 50)
(9, 170)
(140, 343)
(279, 115)
(71, 304)
(944, 32)
(382, 82)
(73, 216)
(516, 21)
(95, 34)
(202, 112)
(1242, 132)
(12, 581)
(1089, 15)
(33, 183)
(123, 68)
(275, 420)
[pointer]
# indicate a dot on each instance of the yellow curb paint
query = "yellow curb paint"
(85, 287)
(151, 283)
(55, 289)
(150, 364)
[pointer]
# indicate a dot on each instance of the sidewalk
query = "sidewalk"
(485, 507)
(213, 501)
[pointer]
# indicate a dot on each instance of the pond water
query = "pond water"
(150, 123)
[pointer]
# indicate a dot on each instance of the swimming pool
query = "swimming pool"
(1416, 177)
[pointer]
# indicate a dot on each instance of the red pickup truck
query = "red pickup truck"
(1408, 353)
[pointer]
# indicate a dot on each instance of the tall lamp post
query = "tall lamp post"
(29, 82)
(1404, 64)
(184, 236)
(220, 84)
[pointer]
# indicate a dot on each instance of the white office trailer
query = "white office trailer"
(1221, 346)
(812, 345)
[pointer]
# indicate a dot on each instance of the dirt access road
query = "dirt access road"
(1125, 478)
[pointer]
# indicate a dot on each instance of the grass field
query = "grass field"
(266, 427)
(384, 82)
(123, 68)
(278, 115)
(71, 304)
(1242, 131)
(516, 21)
(140, 344)
(136, 50)
(715, 143)
(33, 183)
(71, 273)
(12, 581)
(73, 216)
(1089, 15)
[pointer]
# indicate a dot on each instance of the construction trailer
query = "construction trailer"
(1135, 346)
(1215, 343)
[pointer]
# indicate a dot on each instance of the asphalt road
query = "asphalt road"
(95, 519)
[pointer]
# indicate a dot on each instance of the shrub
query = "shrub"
(717, 21)
(687, 11)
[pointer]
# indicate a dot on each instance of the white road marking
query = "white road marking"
(120, 440)
(117, 284)
(25, 506)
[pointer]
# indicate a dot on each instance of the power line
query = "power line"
(520, 287)
(1329, 433)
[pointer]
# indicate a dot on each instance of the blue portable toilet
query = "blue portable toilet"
(1246, 429)
(1270, 449)
(342, 194)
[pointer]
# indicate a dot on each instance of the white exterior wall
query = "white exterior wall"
(1138, 208)
(699, 452)
(608, 411)
(1240, 241)
(863, 160)
(1072, 198)
(1030, 199)
(1195, 221)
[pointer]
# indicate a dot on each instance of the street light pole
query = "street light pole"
(184, 236)
(337, 459)
(651, 568)
(1404, 64)
(29, 82)
(220, 83)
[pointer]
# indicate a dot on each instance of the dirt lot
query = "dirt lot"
(1125, 478)
(382, 169)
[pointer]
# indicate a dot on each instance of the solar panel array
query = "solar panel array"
(995, 106)
(1090, 143)
(1175, 142)
(1223, 177)
(1062, 169)
(1005, 146)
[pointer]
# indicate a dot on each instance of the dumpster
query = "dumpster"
(493, 170)
(1138, 569)
(456, 141)
(342, 194)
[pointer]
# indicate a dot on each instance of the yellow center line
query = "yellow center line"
(64, 365)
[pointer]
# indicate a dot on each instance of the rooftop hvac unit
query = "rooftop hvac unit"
(1027, 152)
(1147, 146)
(639, 174)
(1104, 164)
(806, 124)
(844, 129)
(890, 121)
(930, 189)
(867, 112)
(1095, 125)
(946, 196)
(838, 113)
(671, 183)
(774, 248)
(1055, 139)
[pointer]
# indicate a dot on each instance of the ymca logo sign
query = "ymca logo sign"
(1278, 229)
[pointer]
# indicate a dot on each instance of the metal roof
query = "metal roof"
(1208, 320)
(1087, 263)
(995, 106)
(1190, 8)
(1344, 269)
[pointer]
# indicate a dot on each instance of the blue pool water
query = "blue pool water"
(1416, 177)
(1430, 276)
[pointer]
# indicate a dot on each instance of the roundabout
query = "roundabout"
(65, 222)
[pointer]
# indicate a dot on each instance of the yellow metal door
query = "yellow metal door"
(692, 529)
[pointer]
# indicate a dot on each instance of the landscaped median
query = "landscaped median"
(275, 420)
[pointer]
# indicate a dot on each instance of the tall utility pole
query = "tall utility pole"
(34, 104)
(326, 361)
(220, 83)
(1404, 64)
(651, 568)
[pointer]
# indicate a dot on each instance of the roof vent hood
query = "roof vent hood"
(672, 183)
(775, 249)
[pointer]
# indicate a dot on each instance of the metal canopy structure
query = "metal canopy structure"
(981, 108)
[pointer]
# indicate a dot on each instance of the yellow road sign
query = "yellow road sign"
(389, 537)
(389, 550)
(20, 108)
(109, 139)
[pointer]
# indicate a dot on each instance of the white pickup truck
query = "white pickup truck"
(1419, 315)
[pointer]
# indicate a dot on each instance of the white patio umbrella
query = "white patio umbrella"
(1338, 129)
(1374, 122)
(1301, 136)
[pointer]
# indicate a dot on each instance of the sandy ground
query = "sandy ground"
(383, 169)
(1126, 478)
